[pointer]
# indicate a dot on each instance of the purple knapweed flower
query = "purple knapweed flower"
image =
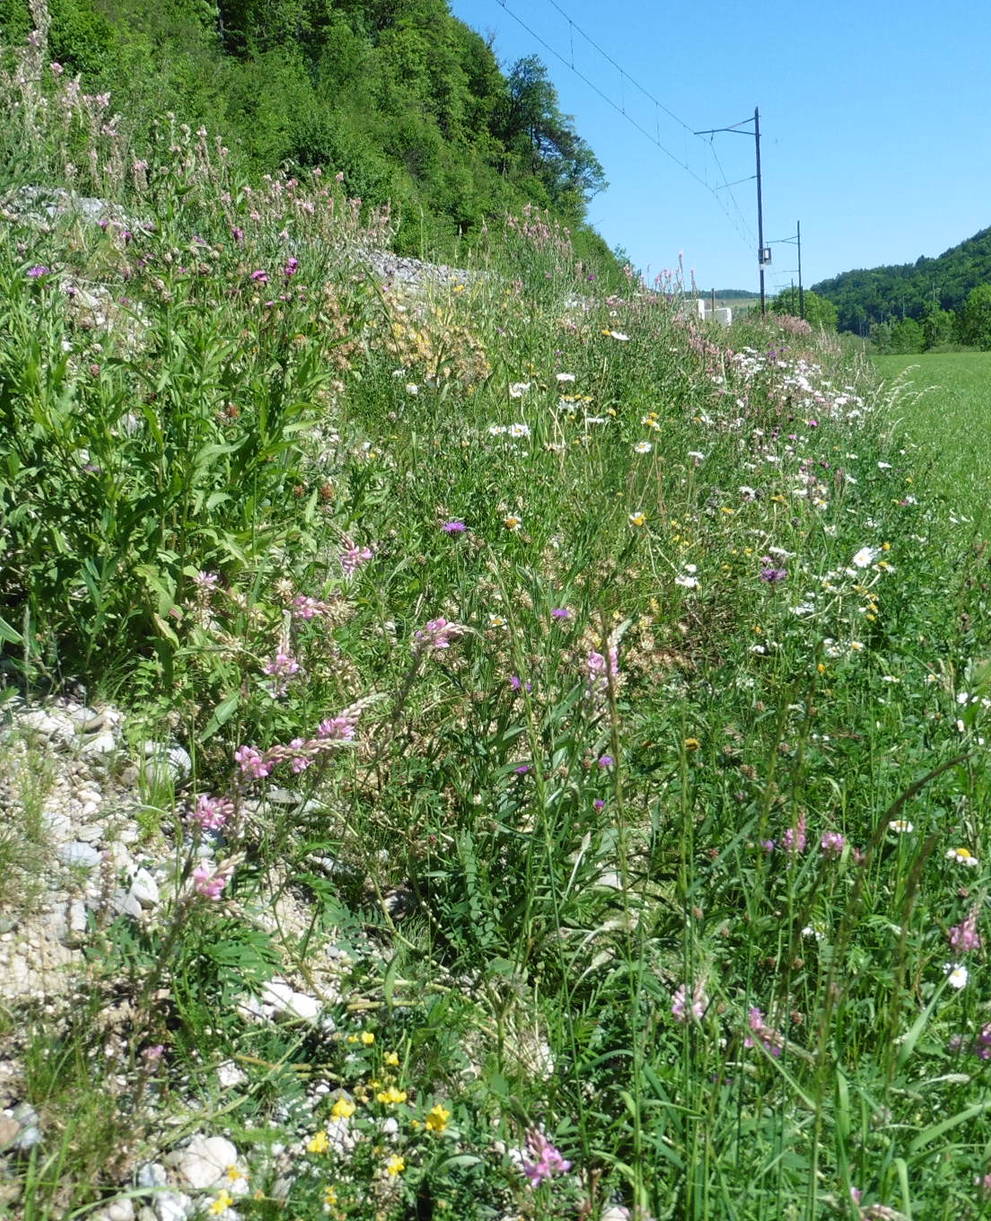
(605, 761)
(291, 267)
(561, 612)
(38, 270)
(260, 277)
(773, 575)
(454, 527)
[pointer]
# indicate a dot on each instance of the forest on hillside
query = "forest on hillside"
(910, 290)
(407, 101)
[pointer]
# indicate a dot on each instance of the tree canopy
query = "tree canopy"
(410, 103)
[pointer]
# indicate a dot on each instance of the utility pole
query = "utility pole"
(797, 239)
(761, 248)
(763, 252)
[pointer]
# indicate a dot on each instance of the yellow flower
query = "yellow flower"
(638, 519)
(343, 1108)
(692, 744)
(437, 1118)
(391, 1096)
(329, 1197)
(318, 1143)
(367, 1038)
(392, 1059)
(222, 1203)
(234, 1173)
(395, 1165)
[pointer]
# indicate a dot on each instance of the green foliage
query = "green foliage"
(403, 99)
(975, 320)
(818, 312)
(911, 289)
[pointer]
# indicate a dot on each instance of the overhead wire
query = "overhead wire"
(621, 109)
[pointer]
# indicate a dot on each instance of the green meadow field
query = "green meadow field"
(945, 406)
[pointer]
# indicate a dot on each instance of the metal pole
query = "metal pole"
(760, 215)
(801, 292)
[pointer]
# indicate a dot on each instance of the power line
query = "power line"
(620, 109)
(747, 232)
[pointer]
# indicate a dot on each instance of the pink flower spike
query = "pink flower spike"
(209, 882)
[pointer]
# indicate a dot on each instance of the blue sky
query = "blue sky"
(874, 125)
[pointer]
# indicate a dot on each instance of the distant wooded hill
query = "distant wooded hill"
(911, 289)
(410, 103)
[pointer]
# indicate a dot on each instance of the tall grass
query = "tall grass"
(629, 681)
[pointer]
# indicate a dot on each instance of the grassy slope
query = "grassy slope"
(668, 809)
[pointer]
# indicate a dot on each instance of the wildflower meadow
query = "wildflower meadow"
(586, 715)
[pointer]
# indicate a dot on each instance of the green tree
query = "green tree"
(818, 311)
(976, 319)
(906, 336)
(939, 326)
(544, 140)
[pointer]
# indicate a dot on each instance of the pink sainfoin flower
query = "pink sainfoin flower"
(795, 839)
(548, 1160)
(436, 634)
(352, 557)
(339, 728)
(689, 1010)
(305, 607)
(252, 762)
(598, 672)
(209, 882)
(260, 277)
(282, 667)
(763, 1035)
(832, 843)
(291, 267)
(211, 813)
(301, 759)
(964, 936)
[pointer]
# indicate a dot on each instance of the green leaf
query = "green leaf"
(220, 715)
(8, 634)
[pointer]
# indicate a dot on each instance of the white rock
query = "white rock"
(204, 1161)
(229, 1075)
(57, 824)
(76, 917)
(173, 1206)
(103, 743)
(48, 725)
(284, 999)
(174, 761)
(144, 888)
(91, 833)
(151, 1174)
(124, 904)
(119, 1210)
(78, 853)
